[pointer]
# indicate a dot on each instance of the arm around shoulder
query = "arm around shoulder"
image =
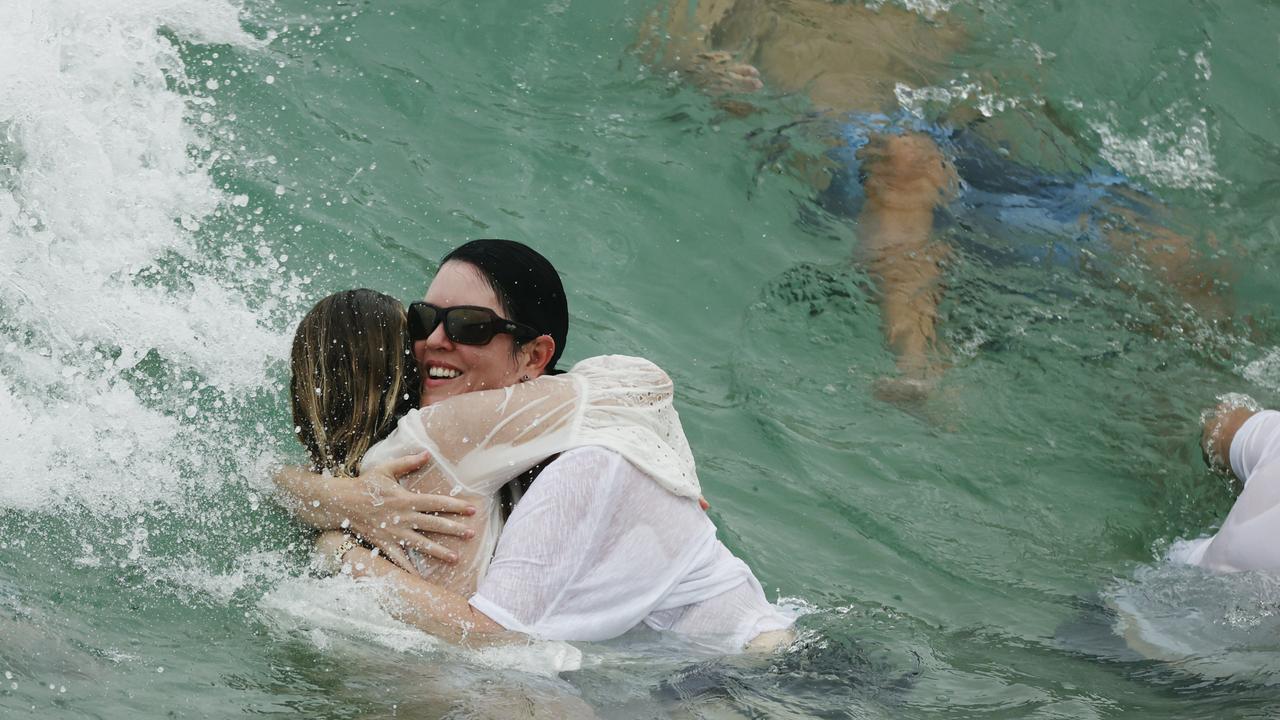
(415, 601)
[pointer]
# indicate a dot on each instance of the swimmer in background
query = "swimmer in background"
(897, 173)
(1242, 439)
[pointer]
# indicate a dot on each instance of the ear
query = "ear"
(537, 354)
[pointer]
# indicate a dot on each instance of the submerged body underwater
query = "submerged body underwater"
(181, 180)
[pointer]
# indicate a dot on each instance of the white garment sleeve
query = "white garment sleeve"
(1249, 538)
(1255, 443)
(480, 440)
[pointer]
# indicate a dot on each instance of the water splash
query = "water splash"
(1265, 371)
(929, 9)
(106, 296)
(934, 100)
(1176, 150)
(1211, 625)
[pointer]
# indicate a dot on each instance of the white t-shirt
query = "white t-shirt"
(480, 440)
(1250, 537)
(595, 548)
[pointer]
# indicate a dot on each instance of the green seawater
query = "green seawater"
(179, 182)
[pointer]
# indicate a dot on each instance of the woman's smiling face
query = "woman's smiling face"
(449, 368)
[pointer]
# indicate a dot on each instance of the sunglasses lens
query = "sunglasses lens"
(470, 327)
(422, 320)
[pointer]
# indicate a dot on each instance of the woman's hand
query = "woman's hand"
(392, 519)
(378, 510)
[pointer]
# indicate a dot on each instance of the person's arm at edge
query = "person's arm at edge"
(1219, 429)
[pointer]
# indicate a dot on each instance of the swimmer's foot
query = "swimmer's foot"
(717, 73)
(905, 392)
(915, 383)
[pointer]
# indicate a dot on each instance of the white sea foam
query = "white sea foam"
(927, 8)
(102, 179)
(1265, 371)
(924, 102)
(1175, 150)
(1212, 625)
(334, 610)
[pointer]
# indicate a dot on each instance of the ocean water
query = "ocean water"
(181, 179)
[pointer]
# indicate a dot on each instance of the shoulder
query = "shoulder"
(625, 370)
(590, 470)
(588, 462)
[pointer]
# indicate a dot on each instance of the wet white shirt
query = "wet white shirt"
(480, 440)
(1250, 537)
(595, 548)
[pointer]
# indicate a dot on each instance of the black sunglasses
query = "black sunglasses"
(464, 324)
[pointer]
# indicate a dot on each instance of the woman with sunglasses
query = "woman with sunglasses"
(610, 536)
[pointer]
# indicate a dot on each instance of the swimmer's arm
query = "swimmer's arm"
(680, 39)
(1219, 430)
(376, 507)
(679, 32)
(425, 605)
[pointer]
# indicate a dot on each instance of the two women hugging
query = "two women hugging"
(496, 497)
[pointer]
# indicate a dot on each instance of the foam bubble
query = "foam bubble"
(929, 9)
(1175, 152)
(340, 608)
(1265, 371)
(923, 102)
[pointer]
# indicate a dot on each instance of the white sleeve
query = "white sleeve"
(1255, 443)
(480, 440)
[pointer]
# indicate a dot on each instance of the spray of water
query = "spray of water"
(124, 344)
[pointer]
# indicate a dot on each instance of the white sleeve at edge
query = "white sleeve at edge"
(499, 615)
(1256, 442)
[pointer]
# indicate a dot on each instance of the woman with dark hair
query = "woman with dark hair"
(609, 537)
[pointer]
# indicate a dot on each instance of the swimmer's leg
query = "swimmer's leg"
(1141, 228)
(906, 179)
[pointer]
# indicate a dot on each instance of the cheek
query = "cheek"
(494, 367)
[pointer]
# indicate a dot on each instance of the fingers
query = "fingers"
(403, 465)
(418, 522)
(429, 548)
(396, 554)
(425, 523)
(703, 504)
(412, 502)
(396, 546)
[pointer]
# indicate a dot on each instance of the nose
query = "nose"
(436, 341)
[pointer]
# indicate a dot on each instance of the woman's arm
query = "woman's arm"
(1219, 428)
(479, 441)
(376, 508)
(412, 600)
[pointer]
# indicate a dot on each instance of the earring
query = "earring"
(524, 379)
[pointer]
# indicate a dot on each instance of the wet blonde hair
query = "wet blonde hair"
(353, 377)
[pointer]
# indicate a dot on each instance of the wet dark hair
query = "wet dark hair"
(525, 282)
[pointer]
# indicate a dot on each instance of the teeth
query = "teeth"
(440, 373)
